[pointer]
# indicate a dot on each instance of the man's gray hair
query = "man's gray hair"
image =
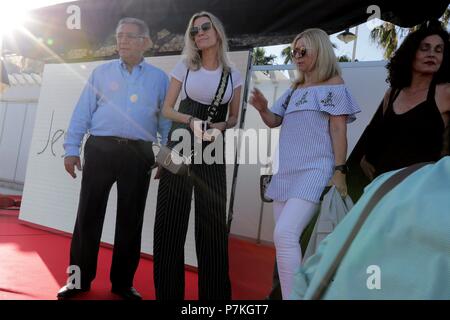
(143, 28)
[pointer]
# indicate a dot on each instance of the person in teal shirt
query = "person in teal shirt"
(402, 251)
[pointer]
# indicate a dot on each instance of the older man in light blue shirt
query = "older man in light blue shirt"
(120, 110)
(119, 103)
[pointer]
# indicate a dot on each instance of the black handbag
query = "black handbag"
(264, 180)
(171, 159)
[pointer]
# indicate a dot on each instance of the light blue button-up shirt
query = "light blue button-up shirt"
(117, 103)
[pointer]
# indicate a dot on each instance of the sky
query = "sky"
(13, 12)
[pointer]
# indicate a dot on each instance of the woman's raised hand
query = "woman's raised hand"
(258, 100)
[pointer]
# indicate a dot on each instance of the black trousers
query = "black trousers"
(109, 160)
(211, 235)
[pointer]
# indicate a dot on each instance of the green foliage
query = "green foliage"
(386, 35)
(260, 57)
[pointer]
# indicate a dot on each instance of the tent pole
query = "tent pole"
(241, 126)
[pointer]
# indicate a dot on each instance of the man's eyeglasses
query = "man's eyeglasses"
(195, 30)
(300, 52)
(131, 36)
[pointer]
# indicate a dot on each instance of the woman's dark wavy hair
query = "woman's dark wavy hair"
(400, 65)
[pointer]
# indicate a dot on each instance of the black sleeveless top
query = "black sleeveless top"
(399, 140)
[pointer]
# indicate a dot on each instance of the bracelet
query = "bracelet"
(189, 120)
(342, 168)
(226, 124)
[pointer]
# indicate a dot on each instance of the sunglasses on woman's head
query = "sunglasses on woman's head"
(300, 52)
(204, 27)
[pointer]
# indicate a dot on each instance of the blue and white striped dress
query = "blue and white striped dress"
(305, 159)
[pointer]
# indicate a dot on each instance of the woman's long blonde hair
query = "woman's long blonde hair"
(326, 64)
(193, 54)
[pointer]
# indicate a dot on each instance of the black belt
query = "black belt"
(118, 140)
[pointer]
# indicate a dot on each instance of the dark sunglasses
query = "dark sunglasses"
(195, 30)
(301, 52)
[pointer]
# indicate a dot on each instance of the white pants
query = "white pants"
(291, 218)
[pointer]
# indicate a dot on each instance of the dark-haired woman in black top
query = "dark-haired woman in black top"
(409, 127)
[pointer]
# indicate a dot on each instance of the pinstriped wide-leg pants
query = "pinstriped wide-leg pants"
(211, 236)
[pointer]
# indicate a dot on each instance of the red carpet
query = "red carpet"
(9, 202)
(33, 265)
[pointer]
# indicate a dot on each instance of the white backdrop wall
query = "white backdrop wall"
(50, 196)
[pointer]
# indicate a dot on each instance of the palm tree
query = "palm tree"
(387, 37)
(446, 17)
(344, 58)
(286, 53)
(260, 58)
(387, 34)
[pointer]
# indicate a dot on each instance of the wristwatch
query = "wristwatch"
(342, 168)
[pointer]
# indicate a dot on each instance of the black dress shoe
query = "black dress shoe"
(67, 293)
(127, 293)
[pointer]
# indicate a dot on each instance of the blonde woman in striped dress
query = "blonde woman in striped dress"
(312, 146)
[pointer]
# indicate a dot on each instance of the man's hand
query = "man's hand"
(70, 163)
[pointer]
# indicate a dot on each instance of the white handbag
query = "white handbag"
(333, 209)
(173, 161)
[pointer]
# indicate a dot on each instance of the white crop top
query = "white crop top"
(202, 84)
